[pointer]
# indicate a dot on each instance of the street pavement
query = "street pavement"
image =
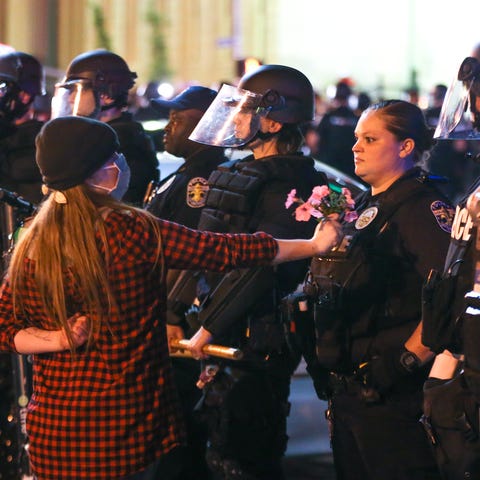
(309, 467)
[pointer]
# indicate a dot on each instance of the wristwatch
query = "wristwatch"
(409, 361)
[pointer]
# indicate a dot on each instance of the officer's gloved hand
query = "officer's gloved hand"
(319, 377)
(385, 370)
(191, 317)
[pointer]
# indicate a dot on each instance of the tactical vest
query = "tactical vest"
(232, 197)
(18, 170)
(235, 189)
(242, 302)
(443, 302)
(345, 309)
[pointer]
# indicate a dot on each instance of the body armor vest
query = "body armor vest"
(443, 302)
(350, 288)
(243, 302)
(232, 198)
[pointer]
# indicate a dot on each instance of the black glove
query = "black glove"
(384, 371)
(319, 377)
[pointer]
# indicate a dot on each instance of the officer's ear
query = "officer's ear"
(407, 147)
(271, 126)
(106, 101)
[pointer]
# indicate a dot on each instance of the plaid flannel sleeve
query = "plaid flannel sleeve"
(9, 326)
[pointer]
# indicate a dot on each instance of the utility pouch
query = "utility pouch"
(296, 313)
(329, 329)
(265, 334)
(330, 337)
(439, 332)
(451, 421)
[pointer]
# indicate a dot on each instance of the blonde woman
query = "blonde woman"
(85, 294)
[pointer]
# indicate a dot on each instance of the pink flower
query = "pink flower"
(318, 193)
(348, 197)
(315, 213)
(324, 203)
(303, 213)
(350, 216)
(291, 198)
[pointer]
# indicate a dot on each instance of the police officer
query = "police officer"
(22, 79)
(451, 307)
(96, 85)
(246, 404)
(180, 197)
(335, 131)
(365, 297)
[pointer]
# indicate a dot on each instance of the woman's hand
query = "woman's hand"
(327, 236)
(34, 340)
(78, 325)
(198, 341)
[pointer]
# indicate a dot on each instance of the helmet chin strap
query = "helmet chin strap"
(263, 136)
(114, 104)
(475, 112)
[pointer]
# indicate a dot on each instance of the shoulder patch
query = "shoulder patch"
(444, 214)
(197, 190)
(366, 218)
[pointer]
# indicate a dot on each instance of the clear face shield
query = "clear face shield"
(14, 103)
(460, 114)
(75, 97)
(232, 120)
(5, 95)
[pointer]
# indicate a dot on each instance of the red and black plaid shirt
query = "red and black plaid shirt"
(113, 410)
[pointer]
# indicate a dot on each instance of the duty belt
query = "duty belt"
(339, 384)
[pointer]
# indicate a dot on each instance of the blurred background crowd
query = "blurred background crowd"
(352, 53)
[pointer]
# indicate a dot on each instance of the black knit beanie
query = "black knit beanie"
(71, 149)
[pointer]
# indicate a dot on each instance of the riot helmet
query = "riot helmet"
(89, 76)
(460, 113)
(21, 79)
(278, 92)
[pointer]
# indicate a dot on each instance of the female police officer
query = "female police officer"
(246, 406)
(369, 359)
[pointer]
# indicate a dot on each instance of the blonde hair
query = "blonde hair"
(62, 242)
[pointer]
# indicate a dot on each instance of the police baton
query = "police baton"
(179, 348)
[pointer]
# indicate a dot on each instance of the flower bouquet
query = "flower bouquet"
(325, 202)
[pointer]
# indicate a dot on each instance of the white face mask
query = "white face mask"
(112, 178)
